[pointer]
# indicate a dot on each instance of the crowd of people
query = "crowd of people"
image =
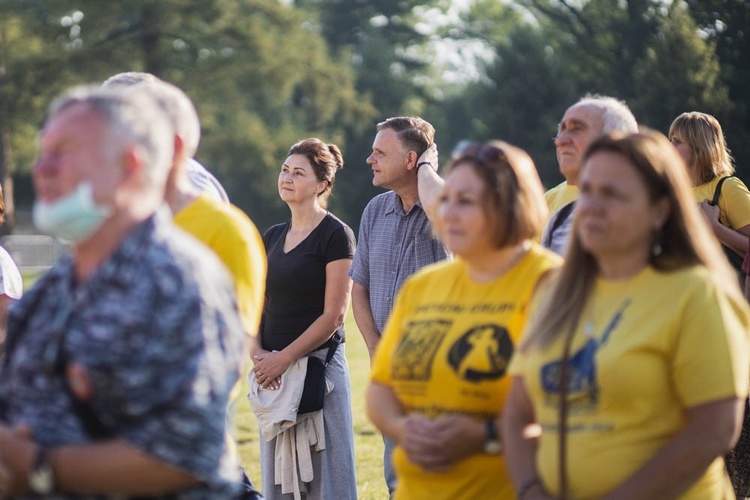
(587, 342)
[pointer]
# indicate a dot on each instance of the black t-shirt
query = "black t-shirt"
(296, 281)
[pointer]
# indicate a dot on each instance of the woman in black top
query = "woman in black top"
(307, 296)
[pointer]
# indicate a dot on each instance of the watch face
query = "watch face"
(40, 480)
(493, 447)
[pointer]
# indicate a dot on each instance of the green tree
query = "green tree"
(647, 52)
(726, 24)
(260, 75)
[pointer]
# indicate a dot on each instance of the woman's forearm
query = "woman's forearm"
(385, 411)
(735, 240)
(710, 432)
(519, 436)
(316, 334)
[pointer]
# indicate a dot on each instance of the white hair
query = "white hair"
(179, 110)
(616, 115)
(174, 102)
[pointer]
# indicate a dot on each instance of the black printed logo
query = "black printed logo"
(482, 353)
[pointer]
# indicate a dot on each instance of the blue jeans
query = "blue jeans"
(388, 472)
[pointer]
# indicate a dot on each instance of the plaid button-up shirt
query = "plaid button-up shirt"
(392, 245)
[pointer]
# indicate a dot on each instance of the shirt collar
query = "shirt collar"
(395, 206)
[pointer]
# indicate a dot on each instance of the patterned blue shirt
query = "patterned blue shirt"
(157, 332)
(392, 245)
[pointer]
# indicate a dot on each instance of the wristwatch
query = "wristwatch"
(41, 477)
(492, 445)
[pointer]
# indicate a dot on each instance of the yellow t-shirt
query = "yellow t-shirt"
(734, 201)
(445, 351)
(231, 234)
(559, 196)
(644, 351)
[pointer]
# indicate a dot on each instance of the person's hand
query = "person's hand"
(268, 368)
(6, 476)
(16, 457)
(436, 445)
(429, 156)
(711, 212)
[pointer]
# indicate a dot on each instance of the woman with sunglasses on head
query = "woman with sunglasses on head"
(635, 365)
(439, 374)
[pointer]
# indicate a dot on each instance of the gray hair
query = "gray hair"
(134, 118)
(179, 110)
(128, 79)
(616, 115)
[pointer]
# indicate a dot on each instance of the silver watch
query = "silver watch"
(492, 445)
(41, 477)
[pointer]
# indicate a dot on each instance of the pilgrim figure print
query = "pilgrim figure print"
(482, 353)
(583, 389)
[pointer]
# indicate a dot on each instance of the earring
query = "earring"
(656, 246)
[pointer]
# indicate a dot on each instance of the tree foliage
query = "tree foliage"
(646, 52)
(266, 73)
(260, 75)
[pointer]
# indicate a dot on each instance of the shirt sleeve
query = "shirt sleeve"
(711, 348)
(340, 244)
(735, 199)
(242, 250)
(360, 268)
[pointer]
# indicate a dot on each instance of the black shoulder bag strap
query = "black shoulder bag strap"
(335, 341)
(560, 217)
(717, 191)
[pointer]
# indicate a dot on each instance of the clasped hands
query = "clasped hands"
(268, 367)
(437, 444)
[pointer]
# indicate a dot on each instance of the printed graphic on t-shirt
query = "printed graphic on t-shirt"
(583, 389)
(413, 358)
(482, 353)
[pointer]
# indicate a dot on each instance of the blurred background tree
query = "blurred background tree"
(266, 73)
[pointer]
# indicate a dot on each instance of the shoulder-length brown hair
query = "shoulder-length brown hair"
(703, 135)
(513, 198)
(686, 238)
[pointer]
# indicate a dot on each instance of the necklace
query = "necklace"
(317, 218)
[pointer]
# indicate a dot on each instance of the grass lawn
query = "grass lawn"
(368, 444)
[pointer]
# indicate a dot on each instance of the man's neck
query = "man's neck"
(409, 197)
(179, 194)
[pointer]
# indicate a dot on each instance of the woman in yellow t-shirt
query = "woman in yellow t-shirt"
(439, 374)
(700, 142)
(639, 346)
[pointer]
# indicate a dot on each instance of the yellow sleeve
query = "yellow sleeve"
(735, 199)
(711, 348)
(242, 251)
(381, 364)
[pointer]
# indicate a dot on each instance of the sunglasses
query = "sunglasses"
(481, 152)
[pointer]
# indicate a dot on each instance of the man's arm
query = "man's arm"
(429, 183)
(108, 467)
(363, 317)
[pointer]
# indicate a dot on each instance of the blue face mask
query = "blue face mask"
(74, 217)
